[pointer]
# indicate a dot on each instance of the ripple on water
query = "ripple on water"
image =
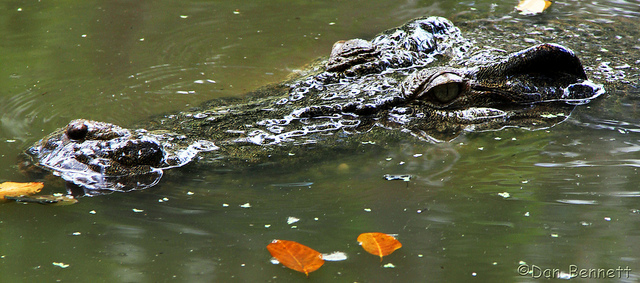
(294, 184)
(623, 194)
(166, 84)
(599, 194)
(613, 9)
(611, 124)
(577, 201)
(21, 114)
(592, 163)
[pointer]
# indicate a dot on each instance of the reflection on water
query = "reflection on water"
(475, 208)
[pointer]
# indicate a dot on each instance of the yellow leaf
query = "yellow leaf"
(379, 244)
(533, 6)
(296, 256)
(13, 189)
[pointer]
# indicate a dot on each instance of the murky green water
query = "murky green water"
(479, 207)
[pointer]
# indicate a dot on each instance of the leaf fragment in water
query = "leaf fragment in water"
(532, 7)
(14, 189)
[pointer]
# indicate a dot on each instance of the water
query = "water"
(478, 207)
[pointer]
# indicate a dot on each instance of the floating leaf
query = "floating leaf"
(296, 256)
(13, 189)
(379, 244)
(533, 6)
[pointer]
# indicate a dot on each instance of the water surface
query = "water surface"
(478, 207)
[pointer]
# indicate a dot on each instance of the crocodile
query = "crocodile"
(423, 79)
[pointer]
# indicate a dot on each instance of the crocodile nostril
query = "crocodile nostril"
(77, 130)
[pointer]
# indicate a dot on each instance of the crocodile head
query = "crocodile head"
(422, 78)
(101, 157)
(534, 88)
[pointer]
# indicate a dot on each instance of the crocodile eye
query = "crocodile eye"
(446, 92)
(445, 87)
(77, 131)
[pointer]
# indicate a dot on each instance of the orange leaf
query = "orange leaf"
(13, 189)
(379, 244)
(296, 256)
(533, 6)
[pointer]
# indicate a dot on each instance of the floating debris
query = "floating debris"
(335, 256)
(54, 199)
(563, 275)
(551, 116)
(389, 265)
(390, 177)
(60, 264)
(504, 194)
(292, 220)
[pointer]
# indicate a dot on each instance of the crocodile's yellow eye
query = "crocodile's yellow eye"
(445, 87)
(446, 92)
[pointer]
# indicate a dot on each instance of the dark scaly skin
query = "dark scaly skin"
(422, 79)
